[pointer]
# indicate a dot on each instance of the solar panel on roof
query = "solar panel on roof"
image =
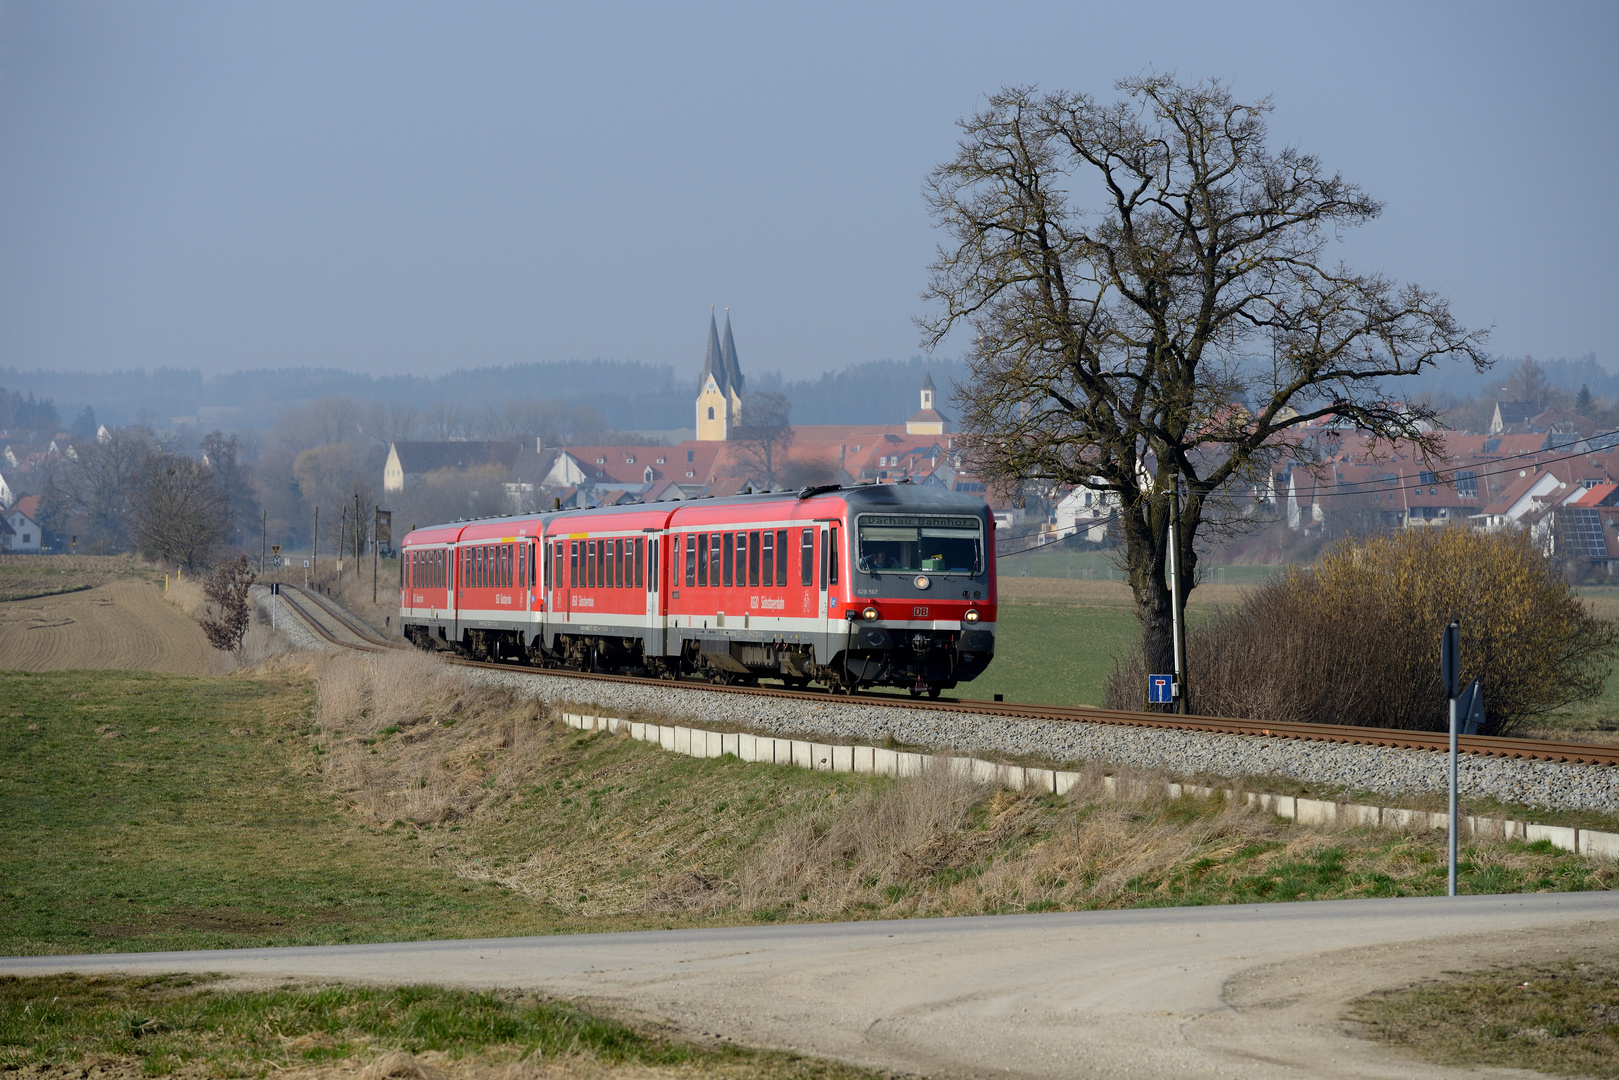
(1582, 533)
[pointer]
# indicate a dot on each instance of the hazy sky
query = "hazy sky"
(414, 187)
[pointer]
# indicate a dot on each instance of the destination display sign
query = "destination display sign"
(921, 522)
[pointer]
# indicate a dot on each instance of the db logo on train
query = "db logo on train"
(919, 613)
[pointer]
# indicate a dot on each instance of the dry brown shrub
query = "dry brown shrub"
(443, 736)
(837, 855)
(1354, 639)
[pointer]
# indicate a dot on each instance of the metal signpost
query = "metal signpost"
(1450, 670)
(1178, 689)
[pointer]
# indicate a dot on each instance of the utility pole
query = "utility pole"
(342, 538)
(1450, 670)
(264, 520)
(359, 536)
(314, 557)
(376, 513)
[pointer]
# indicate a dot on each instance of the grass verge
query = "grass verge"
(1560, 1018)
(202, 1026)
(142, 812)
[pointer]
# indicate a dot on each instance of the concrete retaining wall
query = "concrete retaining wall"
(767, 750)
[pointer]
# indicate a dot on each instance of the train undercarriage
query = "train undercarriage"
(924, 662)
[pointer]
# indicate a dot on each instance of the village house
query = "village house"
(22, 523)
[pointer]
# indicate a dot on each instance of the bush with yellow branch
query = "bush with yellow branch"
(1354, 639)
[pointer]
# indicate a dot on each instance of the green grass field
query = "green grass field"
(148, 811)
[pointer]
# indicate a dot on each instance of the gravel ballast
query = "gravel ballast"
(1385, 770)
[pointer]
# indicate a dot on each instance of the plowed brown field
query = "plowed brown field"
(126, 625)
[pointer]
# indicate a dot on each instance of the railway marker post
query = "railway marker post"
(1450, 670)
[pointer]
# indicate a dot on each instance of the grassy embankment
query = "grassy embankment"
(129, 1027)
(1554, 1017)
(144, 811)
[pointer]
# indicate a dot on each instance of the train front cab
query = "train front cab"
(920, 598)
(427, 586)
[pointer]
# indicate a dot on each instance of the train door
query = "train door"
(647, 553)
(457, 590)
(567, 579)
(823, 624)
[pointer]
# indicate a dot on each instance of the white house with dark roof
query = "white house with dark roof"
(23, 520)
(409, 460)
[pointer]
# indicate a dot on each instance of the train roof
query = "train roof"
(856, 497)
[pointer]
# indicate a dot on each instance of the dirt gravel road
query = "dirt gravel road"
(125, 625)
(1251, 991)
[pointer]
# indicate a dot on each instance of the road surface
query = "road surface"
(1242, 991)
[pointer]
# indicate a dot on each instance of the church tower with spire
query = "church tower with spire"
(719, 391)
(928, 420)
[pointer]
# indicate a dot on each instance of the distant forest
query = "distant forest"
(632, 396)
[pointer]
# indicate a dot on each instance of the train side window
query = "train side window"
(806, 558)
(609, 561)
(726, 551)
(503, 566)
(640, 582)
(753, 558)
(702, 559)
(620, 550)
(522, 565)
(781, 558)
(573, 563)
(652, 565)
(593, 570)
(767, 559)
(832, 556)
(691, 560)
(715, 543)
(479, 562)
(674, 563)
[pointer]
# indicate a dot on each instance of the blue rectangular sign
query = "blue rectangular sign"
(1161, 689)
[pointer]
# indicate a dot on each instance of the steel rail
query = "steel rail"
(1480, 745)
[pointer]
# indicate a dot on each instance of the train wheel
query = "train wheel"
(933, 691)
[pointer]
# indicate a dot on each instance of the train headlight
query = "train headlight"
(922, 581)
(971, 616)
(870, 614)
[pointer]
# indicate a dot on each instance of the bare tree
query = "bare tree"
(1130, 271)
(445, 420)
(88, 493)
(1528, 382)
(764, 436)
(179, 511)
(388, 422)
(223, 455)
(228, 588)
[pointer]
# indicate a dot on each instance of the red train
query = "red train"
(890, 585)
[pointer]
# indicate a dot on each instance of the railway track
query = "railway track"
(1482, 745)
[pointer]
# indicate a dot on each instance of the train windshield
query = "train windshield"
(920, 544)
